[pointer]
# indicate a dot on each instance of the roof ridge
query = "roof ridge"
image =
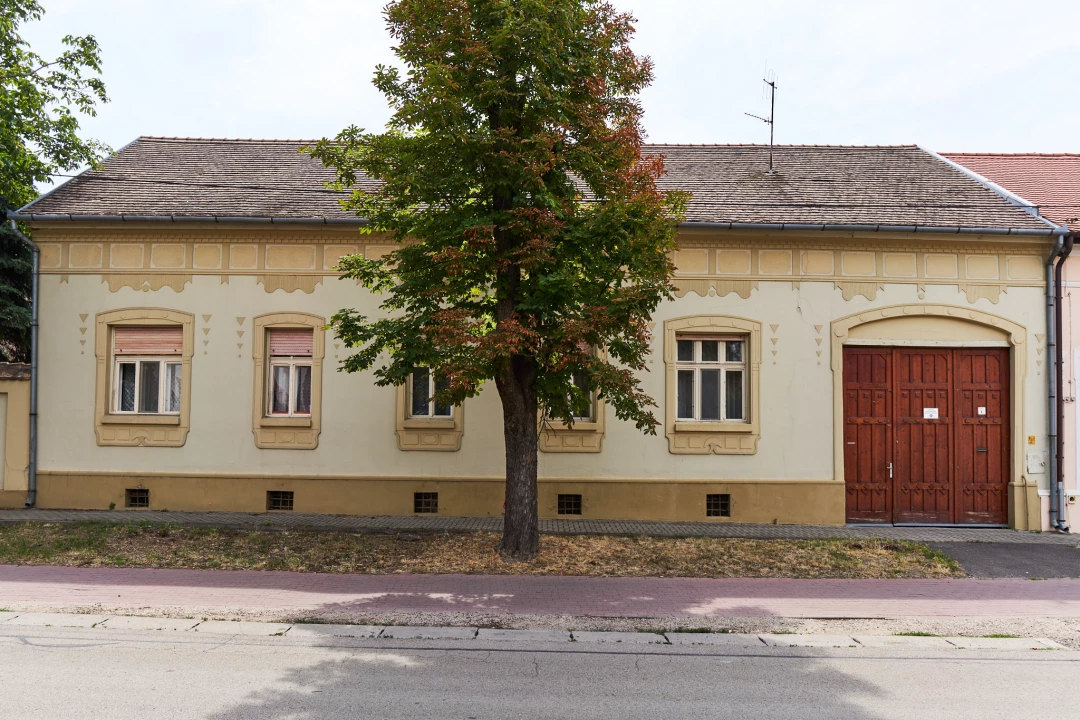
(169, 138)
(1019, 154)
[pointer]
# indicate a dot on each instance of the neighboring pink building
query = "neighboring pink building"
(1050, 183)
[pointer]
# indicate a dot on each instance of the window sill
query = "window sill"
(432, 424)
(140, 419)
(301, 422)
(580, 426)
(713, 427)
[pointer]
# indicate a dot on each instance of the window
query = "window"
(279, 500)
(718, 505)
(137, 498)
(142, 379)
(425, 503)
(287, 351)
(147, 370)
(289, 380)
(583, 407)
(422, 388)
(712, 385)
(569, 504)
(711, 379)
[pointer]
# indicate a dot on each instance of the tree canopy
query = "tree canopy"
(532, 240)
(40, 104)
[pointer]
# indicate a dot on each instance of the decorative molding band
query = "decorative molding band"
(851, 290)
(146, 282)
(289, 283)
(715, 287)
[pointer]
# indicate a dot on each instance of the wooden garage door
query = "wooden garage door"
(926, 435)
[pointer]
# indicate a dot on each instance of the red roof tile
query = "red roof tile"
(1050, 181)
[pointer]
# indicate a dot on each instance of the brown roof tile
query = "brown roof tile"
(899, 186)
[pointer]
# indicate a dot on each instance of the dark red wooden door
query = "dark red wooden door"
(982, 438)
(922, 491)
(926, 435)
(867, 433)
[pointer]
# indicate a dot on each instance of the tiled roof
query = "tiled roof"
(896, 186)
(14, 371)
(1050, 181)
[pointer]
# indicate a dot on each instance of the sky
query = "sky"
(951, 75)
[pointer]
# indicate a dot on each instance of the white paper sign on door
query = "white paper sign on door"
(929, 413)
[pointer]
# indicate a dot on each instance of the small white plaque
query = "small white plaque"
(929, 413)
(982, 410)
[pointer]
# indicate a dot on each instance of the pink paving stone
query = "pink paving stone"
(609, 597)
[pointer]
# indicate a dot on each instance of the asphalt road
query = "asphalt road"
(1014, 560)
(73, 673)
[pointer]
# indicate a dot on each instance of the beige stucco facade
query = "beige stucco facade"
(1070, 428)
(798, 299)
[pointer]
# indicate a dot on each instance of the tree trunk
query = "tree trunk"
(521, 526)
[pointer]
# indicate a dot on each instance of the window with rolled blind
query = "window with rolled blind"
(290, 342)
(129, 340)
(288, 392)
(147, 372)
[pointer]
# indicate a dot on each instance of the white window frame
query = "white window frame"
(410, 391)
(292, 363)
(164, 361)
(723, 366)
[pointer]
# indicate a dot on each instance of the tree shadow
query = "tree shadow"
(480, 683)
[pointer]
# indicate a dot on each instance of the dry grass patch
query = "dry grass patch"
(109, 545)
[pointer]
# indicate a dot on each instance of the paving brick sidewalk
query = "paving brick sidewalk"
(200, 590)
(350, 523)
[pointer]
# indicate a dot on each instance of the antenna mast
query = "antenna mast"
(770, 121)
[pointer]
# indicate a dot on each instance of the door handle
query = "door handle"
(890, 470)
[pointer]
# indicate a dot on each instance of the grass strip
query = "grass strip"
(97, 544)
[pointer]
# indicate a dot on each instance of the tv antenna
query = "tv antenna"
(770, 82)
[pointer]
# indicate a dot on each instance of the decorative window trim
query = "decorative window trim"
(286, 432)
(584, 437)
(431, 434)
(130, 429)
(713, 438)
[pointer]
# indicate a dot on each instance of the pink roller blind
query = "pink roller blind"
(148, 340)
(294, 343)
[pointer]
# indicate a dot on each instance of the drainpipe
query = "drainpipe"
(1057, 479)
(31, 481)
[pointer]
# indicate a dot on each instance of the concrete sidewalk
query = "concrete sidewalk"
(200, 590)
(438, 523)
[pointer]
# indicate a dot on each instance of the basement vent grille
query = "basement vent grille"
(569, 504)
(718, 505)
(279, 500)
(426, 502)
(137, 498)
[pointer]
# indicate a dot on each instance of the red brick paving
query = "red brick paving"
(626, 597)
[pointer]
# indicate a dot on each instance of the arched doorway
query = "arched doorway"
(926, 428)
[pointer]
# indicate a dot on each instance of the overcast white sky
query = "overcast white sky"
(953, 75)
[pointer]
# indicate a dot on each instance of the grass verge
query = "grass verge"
(155, 546)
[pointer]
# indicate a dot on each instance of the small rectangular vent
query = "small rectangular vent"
(718, 505)
(279, 500)
(137, 498)
(569, 504)
(426, 502)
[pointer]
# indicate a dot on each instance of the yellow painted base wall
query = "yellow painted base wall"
(782, 502)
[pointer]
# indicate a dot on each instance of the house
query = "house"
(1049, 184)
(857, 337)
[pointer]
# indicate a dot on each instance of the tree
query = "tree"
(529, 227)
(40, 101)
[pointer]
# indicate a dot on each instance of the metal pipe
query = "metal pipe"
(1057, 481)
(1052, 389)
(691, 224)
(31, 470)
